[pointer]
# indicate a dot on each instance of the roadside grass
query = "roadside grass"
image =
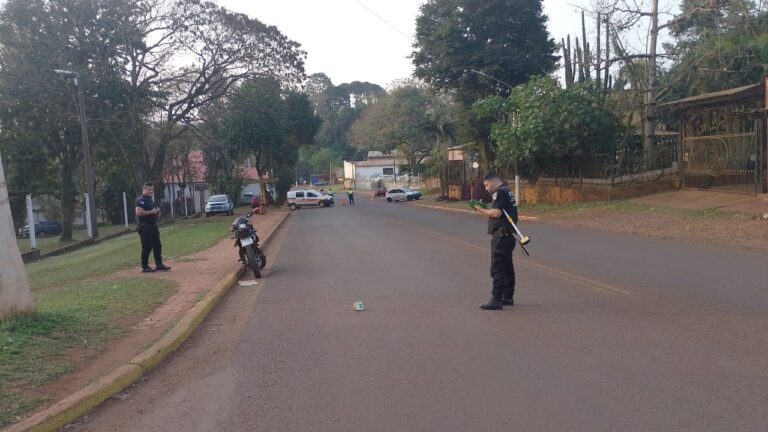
(123, 252)
(80, 308)
(51, 243)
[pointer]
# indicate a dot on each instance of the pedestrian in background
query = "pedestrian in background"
(351, 197)
(502, 241)
(147, 214)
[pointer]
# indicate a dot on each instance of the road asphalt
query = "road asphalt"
(610, 332)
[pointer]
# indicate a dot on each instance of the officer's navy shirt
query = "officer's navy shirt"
(503, 199)
(147, 204)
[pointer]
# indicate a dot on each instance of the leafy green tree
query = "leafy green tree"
(403, 121)
(256, 123)
(505, 40)
(541, 124)
(717, 46)
(39, 106)
(339, 107)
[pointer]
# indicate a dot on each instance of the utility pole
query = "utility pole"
(649, 128)
(89, 176)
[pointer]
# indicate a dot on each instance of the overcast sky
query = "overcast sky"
(370, 40)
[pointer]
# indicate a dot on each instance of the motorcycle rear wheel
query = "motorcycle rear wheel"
(254, 261)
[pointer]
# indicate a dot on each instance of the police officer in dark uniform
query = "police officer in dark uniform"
(502, 241)
(148, 231)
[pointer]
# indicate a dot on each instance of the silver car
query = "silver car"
(219, 204)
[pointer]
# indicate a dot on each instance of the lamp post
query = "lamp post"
(89, 176)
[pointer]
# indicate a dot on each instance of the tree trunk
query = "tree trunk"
(650, 103)
(15, 293)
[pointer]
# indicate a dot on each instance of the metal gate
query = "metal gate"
(725, 163)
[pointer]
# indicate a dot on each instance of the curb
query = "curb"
(74, 406)
(528, 218)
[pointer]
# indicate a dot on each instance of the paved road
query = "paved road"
(611, 333)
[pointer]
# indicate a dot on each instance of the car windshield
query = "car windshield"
(218, 199)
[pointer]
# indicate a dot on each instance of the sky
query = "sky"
(371, 40)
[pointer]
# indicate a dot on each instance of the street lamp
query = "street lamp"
(89, 180)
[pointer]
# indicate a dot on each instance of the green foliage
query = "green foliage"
(506, 39)
(409, 120)
(339, 107)
(543, 124)
(717, 47)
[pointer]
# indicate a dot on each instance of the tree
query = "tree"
(15, 294)
(256, 123)
(503, 39)
(399, 122)
(190, 54)
(717, 47)
(541, 124)
(339, 107)
(38, 106)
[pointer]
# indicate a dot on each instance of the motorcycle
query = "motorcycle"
(248, 241)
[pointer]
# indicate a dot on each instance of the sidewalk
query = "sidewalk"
(196, 275)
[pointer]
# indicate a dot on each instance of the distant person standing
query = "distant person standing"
(351, 197)
(147, 213)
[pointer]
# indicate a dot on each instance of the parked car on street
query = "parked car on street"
(308, 197)
(402, 194)
(380, 192)
(219, 204)
(42, 228)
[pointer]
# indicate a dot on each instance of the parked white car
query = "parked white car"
(219, 204)
(308, 197)
(402, 194)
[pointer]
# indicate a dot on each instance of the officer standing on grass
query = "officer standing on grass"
(148, 231)
(502, 241)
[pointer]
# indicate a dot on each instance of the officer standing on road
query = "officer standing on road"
(502, 241)
(148, 231)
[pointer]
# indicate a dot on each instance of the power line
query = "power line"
(384, 21)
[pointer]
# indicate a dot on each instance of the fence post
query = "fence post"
(31, 221)
(125, 210)
(88, 216)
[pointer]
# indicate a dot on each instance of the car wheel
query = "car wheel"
(292, 206)
(389, 199)
(322, 204)
(409, 198)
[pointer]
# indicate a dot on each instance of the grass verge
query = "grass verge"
(80, 308)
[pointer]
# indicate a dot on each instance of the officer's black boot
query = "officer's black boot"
(508, 301)
(494, 304)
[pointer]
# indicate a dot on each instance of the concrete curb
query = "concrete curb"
(528, 218)
(72, 407)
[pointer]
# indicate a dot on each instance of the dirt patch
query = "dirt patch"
(736, 230)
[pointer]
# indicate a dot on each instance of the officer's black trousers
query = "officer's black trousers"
(150, 242)
(502, 269)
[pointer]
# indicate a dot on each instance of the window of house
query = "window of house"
(389, 171)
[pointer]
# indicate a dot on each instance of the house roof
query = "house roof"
(374, 163)
(736, 94)
(198, 169)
